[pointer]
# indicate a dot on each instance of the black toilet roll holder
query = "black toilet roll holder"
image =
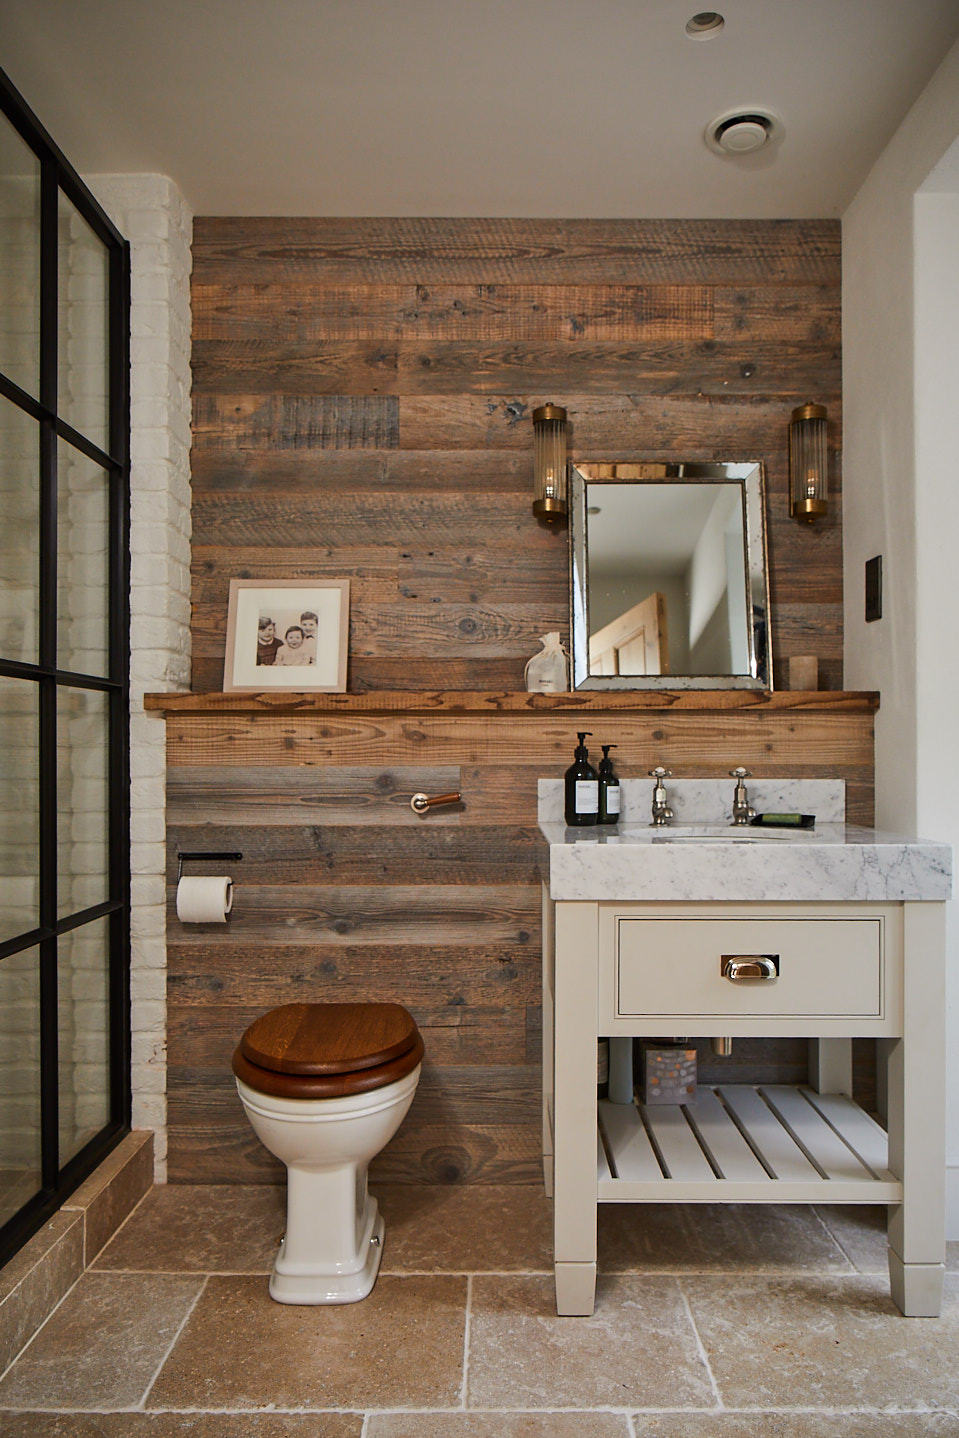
(210, 854)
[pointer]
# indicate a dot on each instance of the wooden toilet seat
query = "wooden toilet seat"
(328, 1050)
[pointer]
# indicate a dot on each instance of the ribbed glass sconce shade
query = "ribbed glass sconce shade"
(549, 462)
(808, 463)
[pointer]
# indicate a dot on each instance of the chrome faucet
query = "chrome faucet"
(742, 813)
(662, 813)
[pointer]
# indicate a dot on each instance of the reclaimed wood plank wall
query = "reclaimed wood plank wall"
(362, 401)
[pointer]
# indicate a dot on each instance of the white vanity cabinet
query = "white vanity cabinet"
(658, 968)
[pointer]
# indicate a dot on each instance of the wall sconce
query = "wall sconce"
(549, 463)
(808, 463)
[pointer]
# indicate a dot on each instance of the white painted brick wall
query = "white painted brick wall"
(152, 213)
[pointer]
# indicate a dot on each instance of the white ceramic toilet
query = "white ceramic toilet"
(325, 1087)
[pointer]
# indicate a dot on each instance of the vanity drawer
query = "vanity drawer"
(829, 967)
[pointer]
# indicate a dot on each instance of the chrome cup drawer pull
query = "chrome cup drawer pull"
(749, 966)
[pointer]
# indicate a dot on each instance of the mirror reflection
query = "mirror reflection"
(669, 586)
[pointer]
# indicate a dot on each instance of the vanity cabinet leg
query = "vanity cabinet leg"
(916, 1088)
(916, 1288)
(575, 1289)
(549, 948)
(574, 1106)
(830, 1065)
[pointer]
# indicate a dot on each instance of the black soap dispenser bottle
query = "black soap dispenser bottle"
(582, 787)
(609, 792)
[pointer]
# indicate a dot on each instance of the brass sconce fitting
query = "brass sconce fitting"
(808, 463)
(549, 463)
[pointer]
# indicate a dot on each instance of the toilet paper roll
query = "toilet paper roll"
(204, 900)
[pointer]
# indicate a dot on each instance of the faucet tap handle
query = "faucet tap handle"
(742, 812)
(661, 810)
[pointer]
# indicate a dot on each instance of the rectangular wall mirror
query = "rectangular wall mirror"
(668, 583)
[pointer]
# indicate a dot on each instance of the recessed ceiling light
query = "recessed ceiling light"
(743, 131)
(705, 25)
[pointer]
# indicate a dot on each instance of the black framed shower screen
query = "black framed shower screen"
(64, 677)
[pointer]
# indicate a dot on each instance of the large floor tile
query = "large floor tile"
(201, 1228)
(638, 1349)
(473, 1229)
(714, 1238)
(103, 1345)
(401, 1347)
(824, 1342)
(181, 1425)
(860, 1229)
(498, 1425)
(797, 1425)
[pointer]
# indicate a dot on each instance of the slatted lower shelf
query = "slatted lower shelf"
(744, 1143)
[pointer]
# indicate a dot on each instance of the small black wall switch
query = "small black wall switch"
(874, 588)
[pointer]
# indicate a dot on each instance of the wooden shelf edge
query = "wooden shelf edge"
(440, 701)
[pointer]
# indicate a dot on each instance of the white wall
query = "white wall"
(150, 212)
(937, 537)
(900, 378)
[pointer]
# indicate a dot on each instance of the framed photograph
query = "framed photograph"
(287, 634)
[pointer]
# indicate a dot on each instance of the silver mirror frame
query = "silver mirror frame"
(751, 478)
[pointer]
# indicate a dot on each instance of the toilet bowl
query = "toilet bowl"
(325, 1087)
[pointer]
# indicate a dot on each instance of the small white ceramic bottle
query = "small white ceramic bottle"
(547, 672)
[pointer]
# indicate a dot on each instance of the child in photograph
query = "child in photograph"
(293, 650)
(267, 644)
(309, 624)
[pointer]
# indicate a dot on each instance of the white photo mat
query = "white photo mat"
(300, 661)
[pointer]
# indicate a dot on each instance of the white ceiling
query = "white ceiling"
(550, 108)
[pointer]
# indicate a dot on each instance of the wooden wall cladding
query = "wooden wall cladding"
(362, 401)
(344, 893)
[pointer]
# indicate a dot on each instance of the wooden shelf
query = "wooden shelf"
(740, 1143)
(472, 702)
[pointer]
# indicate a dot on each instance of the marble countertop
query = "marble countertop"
(704, 860)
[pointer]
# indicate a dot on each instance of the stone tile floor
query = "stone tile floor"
(710, 1322)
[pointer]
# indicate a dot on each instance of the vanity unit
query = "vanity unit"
(708, 930)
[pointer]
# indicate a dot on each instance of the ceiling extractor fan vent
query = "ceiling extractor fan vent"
(743, 131)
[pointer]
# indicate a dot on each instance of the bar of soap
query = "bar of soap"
(784, 821)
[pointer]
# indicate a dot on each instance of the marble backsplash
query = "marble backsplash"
(710, 801)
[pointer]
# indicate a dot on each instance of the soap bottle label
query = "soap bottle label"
(612, 799)
(587, 796)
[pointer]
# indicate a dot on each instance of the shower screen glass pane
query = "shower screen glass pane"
(20, 1172)
(19, 807)
(82, 799)
(84, 1035)
(83, 335)
(19, 534)
(83, 573)
(19, 260)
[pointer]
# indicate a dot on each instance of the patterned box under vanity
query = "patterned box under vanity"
(668, 1074)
